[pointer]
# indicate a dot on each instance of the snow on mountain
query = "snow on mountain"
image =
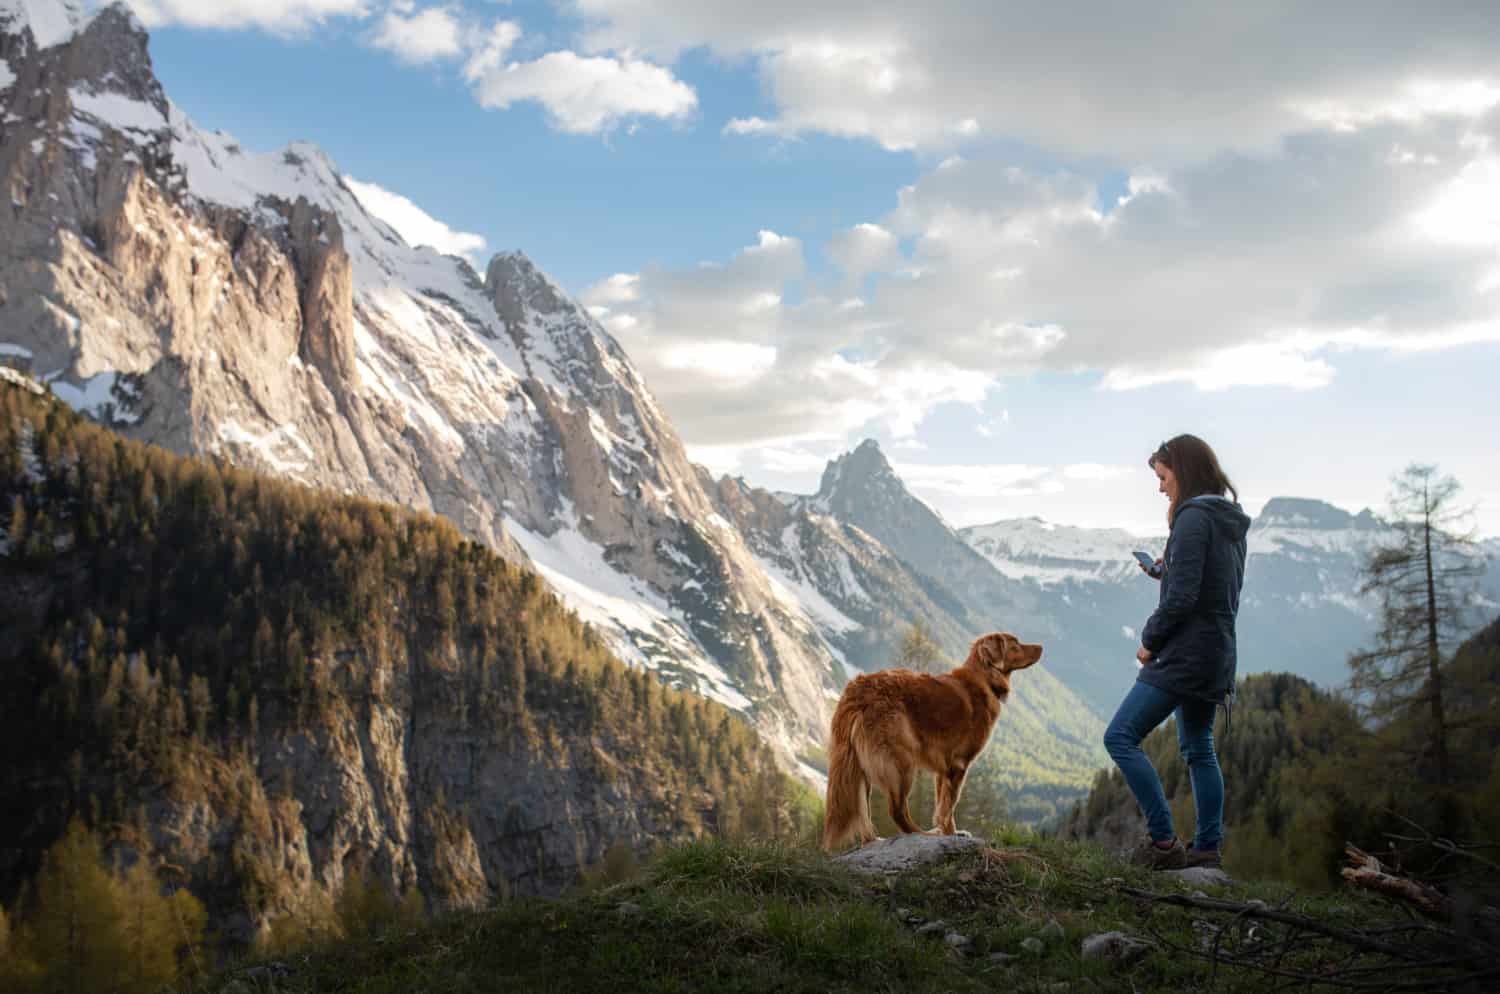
(49, 22)
(1048, 554)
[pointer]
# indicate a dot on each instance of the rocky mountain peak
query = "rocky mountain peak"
(1302, 512)
(517, 285)
(857, 476)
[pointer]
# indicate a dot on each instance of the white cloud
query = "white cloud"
(1095, 471)
(413, 224)
(1172, 84)
(489, 49)
(720, 361)
(584, 94)
(864, 248)
(1466, 211)
(813, 371)
(1245, 271)
(422, 36)
(279, 16)
(978, 481)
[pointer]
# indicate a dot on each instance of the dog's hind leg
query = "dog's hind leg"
(950, 786)
(897, 784)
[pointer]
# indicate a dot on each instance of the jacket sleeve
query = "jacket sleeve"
(1184, 578)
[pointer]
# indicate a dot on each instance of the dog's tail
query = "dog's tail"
(847, 810)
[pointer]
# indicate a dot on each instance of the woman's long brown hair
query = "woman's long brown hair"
(1196, 467)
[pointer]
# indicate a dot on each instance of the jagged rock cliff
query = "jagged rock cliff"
(215, 301)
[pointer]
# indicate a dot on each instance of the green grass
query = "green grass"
(752, 918)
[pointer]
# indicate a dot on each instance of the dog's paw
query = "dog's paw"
(964, 832)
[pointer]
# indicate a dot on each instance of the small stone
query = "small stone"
(1198, 894)
(1203, 876)
(933, 928)
(629, 909)
(1256, 902)
(1115, 947)
(1034, 946)
(1002, 959)
(957, 940)
(1051, 932)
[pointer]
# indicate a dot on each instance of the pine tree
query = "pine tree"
(1425, 599)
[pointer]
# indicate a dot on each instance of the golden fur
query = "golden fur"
(887, 724)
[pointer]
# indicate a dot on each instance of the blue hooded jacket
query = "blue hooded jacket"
(1191, 633)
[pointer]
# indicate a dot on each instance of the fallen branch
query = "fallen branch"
(1356, 939)
(1367, 872)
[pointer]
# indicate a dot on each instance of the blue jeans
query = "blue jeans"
(1142, 710)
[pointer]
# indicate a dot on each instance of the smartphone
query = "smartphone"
(1148, 562)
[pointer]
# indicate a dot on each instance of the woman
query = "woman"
(1187, 652)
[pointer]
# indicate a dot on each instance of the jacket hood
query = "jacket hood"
(1226, 513)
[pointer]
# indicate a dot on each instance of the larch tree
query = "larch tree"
(1423, 580)
(919, 651)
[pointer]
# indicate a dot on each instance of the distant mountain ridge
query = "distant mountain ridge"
(1300, 612)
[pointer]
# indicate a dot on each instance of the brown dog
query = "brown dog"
(889, 723)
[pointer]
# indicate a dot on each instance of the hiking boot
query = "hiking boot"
(1155, 857)
(1203, 857)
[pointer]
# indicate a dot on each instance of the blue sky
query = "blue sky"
(582, 206)
(1018, 246)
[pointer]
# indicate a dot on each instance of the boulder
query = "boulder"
(902, 853)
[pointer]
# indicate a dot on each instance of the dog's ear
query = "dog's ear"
(990, 651)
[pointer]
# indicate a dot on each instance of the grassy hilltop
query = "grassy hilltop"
(714, 916)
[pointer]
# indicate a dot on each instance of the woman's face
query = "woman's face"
(1166, 480)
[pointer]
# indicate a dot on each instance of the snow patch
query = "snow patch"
(804, 600)
(622, 607)
(265, 446)
(96, 396)
(118, 110)
(52, 22)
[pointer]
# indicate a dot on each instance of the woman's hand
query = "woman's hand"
(1155, 576)
(1144, 655)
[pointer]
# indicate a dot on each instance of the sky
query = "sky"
(1017, 244)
